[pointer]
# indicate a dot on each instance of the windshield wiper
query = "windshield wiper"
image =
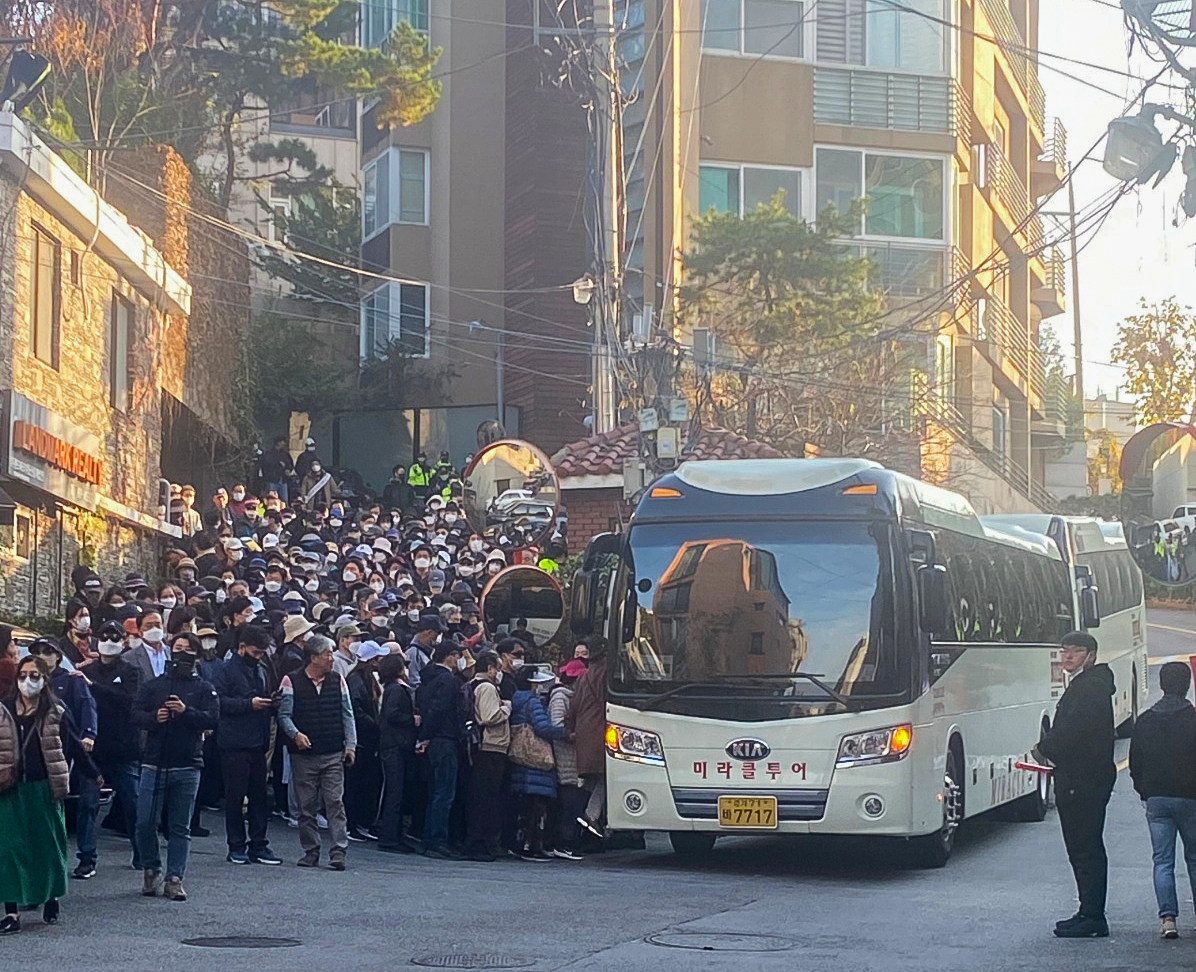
(815, 679)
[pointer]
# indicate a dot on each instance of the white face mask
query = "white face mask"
(135, 642)
(377, 587)
(273, 586)
(450, 518)
(335, 522)
(476, 545)
(349, 577)
(516, 664)
(221, 595)
(462, 664)
(413, 615)
(316, 468)
(153, 635)
(83, 623)
(493, 567)
(436, 588)
(110, 648)
(209, 644)
(423, 562)
(466, 571)
(238, 495)
(380, 557)
(311, 585)
(168, 602)
(235, 555)
(380, 621)
(31, 686)
(430, 520)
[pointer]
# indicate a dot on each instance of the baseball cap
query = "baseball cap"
(430, 621)
(377, 604)
(540, 676)
(348, 631)
(371, 649)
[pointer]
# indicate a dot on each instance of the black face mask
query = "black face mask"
(250, 661)
(182, 664)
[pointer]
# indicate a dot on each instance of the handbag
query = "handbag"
(528, 749)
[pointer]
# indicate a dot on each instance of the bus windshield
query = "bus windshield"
(721, 613)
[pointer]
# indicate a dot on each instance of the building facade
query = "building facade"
(87, 304)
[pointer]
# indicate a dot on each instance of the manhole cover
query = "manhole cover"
(466, 961)
(721, 941)
(242, 941)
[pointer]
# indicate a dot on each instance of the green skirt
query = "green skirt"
(33, 847)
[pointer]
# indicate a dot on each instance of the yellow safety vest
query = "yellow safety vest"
(417, 475)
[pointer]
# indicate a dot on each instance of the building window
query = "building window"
(22, 534)
(904, 195)
(120, 341)
(380, 17)
(944, 369)
(395, 318)
(1000, 430)
(276, 223)
(394, 190)
(741, 189)
(910, 35)
(773, 28)
(45, 305)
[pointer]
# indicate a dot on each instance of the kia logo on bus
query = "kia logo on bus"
(748, 750)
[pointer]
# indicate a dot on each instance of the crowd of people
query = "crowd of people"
(309, 657)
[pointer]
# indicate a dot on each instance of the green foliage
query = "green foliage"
(1158, 349)
(292, 370)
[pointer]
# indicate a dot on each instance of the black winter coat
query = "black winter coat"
(438, 700)
(114, 687)
(1080, 741)
(1163, 750)
(177, 743)
(241, 727)
(396, 723)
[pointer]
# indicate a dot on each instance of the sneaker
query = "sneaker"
(589, 825)
(309, 860)
(395, 848)
(482, 856)
(537, 856)
(443, 853)
(1169, 930)
(149, 882)
(291, 822)
(237, 857)
(84, 871)
(10, 924)
(357, 836)
(566, 855)
(1085, 927)
(265, 857)
(173, 889)
(337, 863)
(50, 912)
(200, 832)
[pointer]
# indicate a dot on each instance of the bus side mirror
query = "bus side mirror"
(1089, 607)
(932, 598)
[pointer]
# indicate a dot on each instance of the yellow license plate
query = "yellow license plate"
(747, 813)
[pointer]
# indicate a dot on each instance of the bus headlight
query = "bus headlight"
(634, 745)
(877, 746)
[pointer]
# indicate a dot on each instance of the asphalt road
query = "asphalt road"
(812, 903)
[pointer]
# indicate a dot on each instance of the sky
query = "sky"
(1138, 253)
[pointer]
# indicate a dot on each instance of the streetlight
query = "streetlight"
(1133, 144)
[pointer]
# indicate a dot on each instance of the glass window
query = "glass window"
(907, 35)
(905, 197)
(375, 202)
(760, 185)
(412, 332)
(999, 433)
(119, 343)
(720, 20)
(380, 17)
(413, 171)
(718, 188)
(45, 304)
(774, 27)
(839, 178)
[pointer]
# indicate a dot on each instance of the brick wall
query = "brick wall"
(593, 511)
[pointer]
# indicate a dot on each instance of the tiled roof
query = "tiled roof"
(603, 454)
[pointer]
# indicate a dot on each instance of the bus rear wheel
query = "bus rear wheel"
(934, 850)
(691, 843)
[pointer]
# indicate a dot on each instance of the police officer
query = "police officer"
(1080, 747)
(419, 477)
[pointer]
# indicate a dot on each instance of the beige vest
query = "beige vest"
(51, 742)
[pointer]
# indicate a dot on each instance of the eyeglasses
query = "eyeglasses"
(27, 676)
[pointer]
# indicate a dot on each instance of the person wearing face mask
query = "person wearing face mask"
(510, 661)
(428, 631)
(220, 514)
(489, 740)
(234, 553)
(247, 705)
(348, 640)
(114, 599)
(406, 619)
(436, 581)
(77, 641)
(72, 689)
(398, 494)
(36, 741)
(240, 611)
(307, 458)
(317, 486)
(419, 478)
(167, 601)
(273, 587)
(438, 701)
(496, 562)
(114, 684)
(175, 709)
(363, 780)
(380, 627)
(534, 787)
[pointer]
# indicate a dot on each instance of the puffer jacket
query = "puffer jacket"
(559, 703)
(55, 733)
(528, 709)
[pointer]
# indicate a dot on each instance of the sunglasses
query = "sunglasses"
(28, 676)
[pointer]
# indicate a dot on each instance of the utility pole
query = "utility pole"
(609, 237)
(1075, 294)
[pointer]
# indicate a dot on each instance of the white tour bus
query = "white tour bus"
(826, 646)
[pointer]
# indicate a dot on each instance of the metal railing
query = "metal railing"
(1007, 183)
(1057, 397)
(1056, 273)
(908, 271)
(1020, 60)
(1055, 148)
(879, 99)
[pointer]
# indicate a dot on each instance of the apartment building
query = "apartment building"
(930, 109)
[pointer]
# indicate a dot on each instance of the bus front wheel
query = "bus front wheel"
(1032, 808)
(691, 843)
(934, 850)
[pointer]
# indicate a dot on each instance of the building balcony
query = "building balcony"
(1004, 340)
(1051, 297)
(1007, 185)
(903, 272)
(1053, 423)
(879, 99)
(1050, 170)
(1024, 68)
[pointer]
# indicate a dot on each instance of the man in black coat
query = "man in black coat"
(1080, 747)
(438, 700)
(1163, 768)
(247, 705)
(175, 710)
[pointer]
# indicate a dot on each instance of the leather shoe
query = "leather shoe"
(50, 912)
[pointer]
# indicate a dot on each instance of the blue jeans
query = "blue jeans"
(122, 777)
(442, 760)
(175, 790)
(281, 488)
(87, 810)
(1167, 816)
